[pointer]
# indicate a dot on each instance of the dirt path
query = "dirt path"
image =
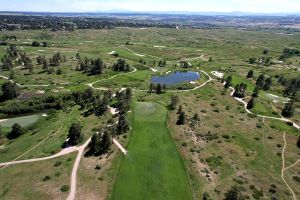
(262, 116)
(101, 88)
(124, 151)
(284, 168)
(75, 169)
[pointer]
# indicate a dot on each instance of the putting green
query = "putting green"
(153, 168)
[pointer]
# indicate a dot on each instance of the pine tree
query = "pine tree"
(123, 125)
(251, 104)
(15, 132)
(260, 81)
(181, 119)
(288, 110)
(174, 102)
(255, 92)
(75, 136)
(158, 89)
(228, 82)
(298, 142)
(179, 110)
(250, 74)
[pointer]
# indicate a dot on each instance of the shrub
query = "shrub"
(58, 163)
(64, 188)
(46, 178)
(184, 144)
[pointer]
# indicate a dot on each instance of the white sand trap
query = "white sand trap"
(40, 50)
(25, 42)
(80, 43)
(44, 115)
(192, 82)
(112, 53)
(217, 74)
(277, 99)
(168, 72)
(3, 120)
(154, 70)
(141, 55)
(159, 46)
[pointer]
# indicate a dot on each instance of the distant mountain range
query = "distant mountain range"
(125, 12)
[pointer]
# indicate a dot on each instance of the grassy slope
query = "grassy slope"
(25, 181)
(153, 168)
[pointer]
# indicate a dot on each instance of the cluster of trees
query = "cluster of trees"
(185, 64)
(173, 102)
(37, 44)
(267, 61)
(25, 22)
(240, 90)
(289, 52)
(9, 37)
(181, 116)
(100, 142)
(121, 66)
(10, 57)
(123, 100)
(158, 88)
(263, 82)
(92, 66)
(55, 61)
(9, 91)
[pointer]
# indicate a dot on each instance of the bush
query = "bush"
(64, 188)
(46, 178)
(58, 163)
(184, 144)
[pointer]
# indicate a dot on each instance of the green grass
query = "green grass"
(23, 121)
(153, 168)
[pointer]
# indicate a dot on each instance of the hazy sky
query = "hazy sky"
(262, 6)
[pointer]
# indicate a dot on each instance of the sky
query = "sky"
(255, 6)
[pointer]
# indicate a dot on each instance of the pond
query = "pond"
(23, 120)
(176, 78)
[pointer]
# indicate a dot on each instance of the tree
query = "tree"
(75, 136)
(11, 74)
(158, 89)
(233, 194)
(181, 119)
(228, 82)
(240, 90)
(267, 84)
(123, 125)
(151, 87)
(298, 142)
(179, 110)
(45, 44)
(251, 104)
(196, 117)
(205, 196)
(288, 110)
(255, 92)
(266, 51)
(100, 143)
(45, 65)
(174, 102)
(250, 74)
(35, 44)
(15, 132)
(252, 60)
(260, 81)
(9, 91)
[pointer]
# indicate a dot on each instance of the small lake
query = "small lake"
(176, 78)
(22, 120)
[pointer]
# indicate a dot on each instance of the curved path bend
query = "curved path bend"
(241, 100)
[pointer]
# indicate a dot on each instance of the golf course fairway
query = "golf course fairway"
(153, 168)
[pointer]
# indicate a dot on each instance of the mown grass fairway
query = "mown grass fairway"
(153, 168)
